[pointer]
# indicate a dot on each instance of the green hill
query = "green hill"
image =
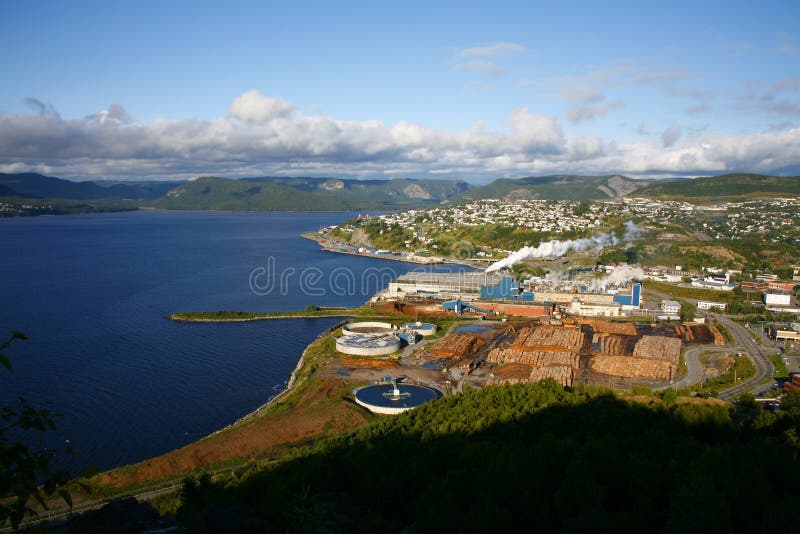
(397, 191)
(536, 455)
(559, 187)
(242, 195)
(32, 185)
(728, 185)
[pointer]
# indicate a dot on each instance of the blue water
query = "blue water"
(375, 395)
(92, 292)
(473, 328)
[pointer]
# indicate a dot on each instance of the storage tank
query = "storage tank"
(368, 344)
(368, 327)
(423, 329)
(390, 399)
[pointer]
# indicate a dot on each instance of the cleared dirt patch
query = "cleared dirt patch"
(311, 414)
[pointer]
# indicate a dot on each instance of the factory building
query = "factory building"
(785, 332)
(465, 285)
(777, 299)
(671, 307)
(707, 305)
(473, 286)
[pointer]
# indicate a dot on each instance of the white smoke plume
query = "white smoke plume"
(557, 248)
(619, 276)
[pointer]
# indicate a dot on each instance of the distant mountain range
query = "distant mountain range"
(725, 186)
(333, 194)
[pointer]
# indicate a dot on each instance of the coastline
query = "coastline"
(392, 256)
(290, 383)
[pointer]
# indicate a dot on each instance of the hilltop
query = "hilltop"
(558, 187)
(724, 186)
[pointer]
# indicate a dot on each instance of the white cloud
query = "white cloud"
(254, 107)
(267, 136)
(502, 48)
(585, 113)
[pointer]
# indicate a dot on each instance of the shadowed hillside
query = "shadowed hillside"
(535, 455)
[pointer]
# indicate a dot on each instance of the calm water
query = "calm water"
(92, 292)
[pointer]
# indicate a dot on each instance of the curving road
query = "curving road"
(695, 369)
(764, 367)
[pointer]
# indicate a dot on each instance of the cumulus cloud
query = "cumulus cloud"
(502, 48)
(254, 107)
(263, 135)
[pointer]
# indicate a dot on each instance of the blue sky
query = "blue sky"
(144, 90)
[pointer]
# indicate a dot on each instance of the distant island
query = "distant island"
(35, 194)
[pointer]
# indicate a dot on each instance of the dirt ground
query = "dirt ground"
(311, 415)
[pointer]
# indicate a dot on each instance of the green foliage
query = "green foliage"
(540, 456)
(559, 187)
(729, 185)
(688, 311)
(25, 473)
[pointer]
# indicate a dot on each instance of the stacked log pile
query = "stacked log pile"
(600, 326)
(513, 371)
(552, 337)
(516, 373)
(700, 333)
(547, 351)
(627, 366)
(536, 358)
(456, 346)
(655, 357)
(616, 345)
(659, 348)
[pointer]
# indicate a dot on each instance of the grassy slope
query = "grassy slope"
(729, 185)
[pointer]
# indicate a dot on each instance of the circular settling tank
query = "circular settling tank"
(423, 329)
(390, 399)
(368, 344)
(368, 327)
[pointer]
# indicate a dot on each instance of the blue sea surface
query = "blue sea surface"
(93, 292)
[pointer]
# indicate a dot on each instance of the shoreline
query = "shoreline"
(290, 383)
(392, 256)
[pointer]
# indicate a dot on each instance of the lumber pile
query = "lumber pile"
(536, 358)
(616, 345)
(552, 338)
(700, 333)
(369, 362)
(559, 373)
(456, 346)
(609, 327)
(515, 373)
(659, 348)
(628, 366)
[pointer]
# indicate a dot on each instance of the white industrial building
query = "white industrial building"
(671, 307)
(589, 309)
(707, 305)
(777, 299)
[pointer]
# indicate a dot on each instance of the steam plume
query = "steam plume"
(557, 248)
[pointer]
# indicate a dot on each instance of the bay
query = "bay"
(93, 293)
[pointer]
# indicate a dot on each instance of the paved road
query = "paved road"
(695, 369)
(764, 367)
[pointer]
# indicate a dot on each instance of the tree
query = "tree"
(687, 312)
(25, 472)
